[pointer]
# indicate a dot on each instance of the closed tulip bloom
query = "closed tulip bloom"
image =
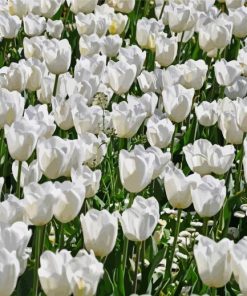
(226, 73)
(148, 101)
(178, 187)
(139, 221)
(147, 81)
(54, 28)
(238, 89)
(21, 138)
(127, 119)
(11, 106)
(29, 172)
(159, 131)
(84, 176)
(242, 114)
(208, 196)
(18, 7)
(166, 49)
(242, 59)
(69, 202)
(57, 55)
(52, 273)
(229, 127)
(121, 75)
(220, 158)
(196, 156)
(239, 260)
(33, 47)
(15, 238)
(110, 45)
(62, 112)
(99, 231)
(133, 55)
(234, 4)
(239, 19)
(177, 101)
(181, 18)
(9, 272)
(86, 6)
(207, 113)
(85, 23)
(215, 34)
(160, 161)
(39, 200)
(34, 25)
(9, 25)
(39, 114)
(89, 45)
(193, 74)
(17, 76)
(57, 156)
(125, 6)
(136, 168)
(213, 261)
(147, 31)
(84, 273)
(11, 210)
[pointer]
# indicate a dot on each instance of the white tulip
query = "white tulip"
(34, 25)
(89, 45)
(160, 161)
(125, 6)
(226, 73)
(9, 25)
(86, 6)
(139, 221)
(166, 49)
(207, 113)
(54, 28)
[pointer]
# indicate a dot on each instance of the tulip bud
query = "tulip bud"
(110, 45)
(207, 113)
(226, 73)
(34, 25)
(9, 25)
(125, 6)
(166, 50)
(85, 6)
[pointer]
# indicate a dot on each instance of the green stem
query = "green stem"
(61, 237)
(38, 238)
(55, 85)
(214, 291)
(180, 48)
(18, 189)
(205, 226)
(173, 139)
(162, 9)
(138, 250)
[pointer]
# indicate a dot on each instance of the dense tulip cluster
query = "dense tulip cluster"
(123, 148)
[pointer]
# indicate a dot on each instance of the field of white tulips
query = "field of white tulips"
(123, 147)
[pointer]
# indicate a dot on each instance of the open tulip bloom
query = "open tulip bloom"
(123, 148)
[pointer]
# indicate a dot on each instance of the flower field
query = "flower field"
(123, 148)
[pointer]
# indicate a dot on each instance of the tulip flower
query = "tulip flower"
(19, 8)
(121, 75)
(11, 210)
(226, 73)
(207, 113)
(159, 131)
(166, 49)
(213, 261)
(89, 45)
(125, 6)
(84, 176)
(148, 101)
(39, 200)
(54, 28)
(139, 221)
(9, 25)
(84, 273)
(136, 168)
(160, 161)
(34, 25)
(69, 202)
(110, 45)
(177, 101)
(178, 187)
(127, 119)
(57, 55)
(85, 23)
(86, 6)
(52, 273)
(22, 138)
(208, 196)
(11, 106)
(99, 231)
(9, 272)
(238, 88)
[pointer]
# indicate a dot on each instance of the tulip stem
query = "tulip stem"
(18, 189)
(162, 9)
(55, 85)
(61, 237)
(205, 226)
(213, 291)
(125, 253)
(138, 250)
(173, 139)
(38, 237)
